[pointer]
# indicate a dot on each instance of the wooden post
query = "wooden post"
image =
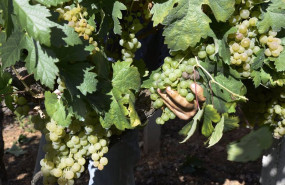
(273, 165)
(152, 134)
(3, 173)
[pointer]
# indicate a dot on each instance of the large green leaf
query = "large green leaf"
(49, 3)
(56, 109)
(33, 18)
(161, 10)
(218, 132)
(117, 14)
(89, 84)
(222, 9)
(274, 17)
(210, 115)
(186, 23)
(122, 113)
(230, 122)
(41, 62)
(251, 146)
(11, 49)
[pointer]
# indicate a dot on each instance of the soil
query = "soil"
(190, 163)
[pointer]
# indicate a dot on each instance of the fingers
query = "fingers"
(181, 114)
(178, 99)
(168, 101)
(198, 90)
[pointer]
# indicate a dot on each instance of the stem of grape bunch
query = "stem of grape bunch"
(240, 97)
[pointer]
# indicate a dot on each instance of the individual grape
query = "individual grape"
(235, 47)
(165, 117)
(210, 49)
(242, 29)
(202, 54)
(267, 52)
(76, 167)
(183, 92)
(69, 175)
(104, 161)
(190, 97)
(244, 13)
(159, 121)
(263, 39)
(245, 42)
(95, 156)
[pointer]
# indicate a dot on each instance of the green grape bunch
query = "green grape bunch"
(177, 73)
(275, 115)
(68, 148)
(76, 18)
(22, 107)
(247, 42)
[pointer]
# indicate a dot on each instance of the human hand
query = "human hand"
(179, 105)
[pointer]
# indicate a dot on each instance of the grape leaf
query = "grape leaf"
(256, 78)
(222, 9)
(218, 132)
(102, 64)
(190, 128)
(250, 147)
(117, 14)
(56, 110)
(259, 60)
(274, 18)
(125, 77)
(224, 50)
(41, 62)
(6, 6)
(72, 53)
(185, 25)
(11, 49)
(280, 62)
(49, 3)
(210, 115)
(121, 112)
(33, 18)
(64, 35)
(89, 82)
(230, 122)
(72, 81)
(223, 98)
(161, 10)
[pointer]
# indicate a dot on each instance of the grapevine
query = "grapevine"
(88, 57)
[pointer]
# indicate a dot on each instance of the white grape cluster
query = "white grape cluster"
(271, 43)
(67, 148)
(246, 43)
(244, 46)
(76, 18)
(275, 115)
(130, 45)
(128, 40)
(178, 73)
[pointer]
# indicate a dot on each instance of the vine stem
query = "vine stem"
(22, 81)
(215, 82)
